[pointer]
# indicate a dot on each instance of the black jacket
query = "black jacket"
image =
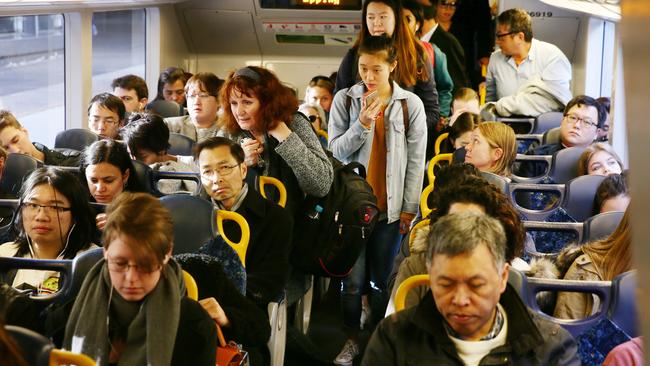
(196, 338)
(455, 56)
(57, 158)
(416, 336)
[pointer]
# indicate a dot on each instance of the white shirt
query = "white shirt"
(472, 352)
(427, 36)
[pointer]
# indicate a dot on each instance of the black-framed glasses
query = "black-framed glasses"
(313, 118)
(123, 267)
(501, 35)
(31, 208)
(574, 120)
(222, 171)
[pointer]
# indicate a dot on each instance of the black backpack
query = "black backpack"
(331, 231)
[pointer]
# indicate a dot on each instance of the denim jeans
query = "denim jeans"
(373, 266)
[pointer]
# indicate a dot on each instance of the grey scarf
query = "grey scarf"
(152, 332)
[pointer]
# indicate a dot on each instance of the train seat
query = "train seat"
(547, 121)
(180, 144)
(165, 108)
(17, 168)
(39, 351)
(551, 136)
(75, 139)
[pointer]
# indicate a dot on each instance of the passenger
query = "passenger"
(223, 175)
(599, 159)
(629, 353)
(133, 91)
(460, 132)
(132, 308)
(392, 150)
(472, 315)
(612, 194)
(277, 141)
(414, 17)
(601, 260)
(603, 134)
(53, 221)
(171, 85)
(320, 91)
(525, 76)
(147, 138)
(413, 73)
(465, 100)
(447, 42)
(473, 194)
(316, 115)
(202, 93)
(14, 138)
(583, 117)
(106, 114)
(493, 148)
(471, 23)
(108, 170)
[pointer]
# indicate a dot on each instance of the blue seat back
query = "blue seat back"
(565, 164)
(546, 242)
(601, 226)
(35, 348)
(75, 139)
(194, 221)
(524, 197)
(17, 168)
(497, 180)
(165, 108)
(81, 265)
(520, 124)
(623, 311)
(180, 144)
(524, 141)
(547, 121)
(62, 266)
(579, 196)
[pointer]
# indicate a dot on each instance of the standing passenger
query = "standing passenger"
(171, 85)
(374, 132)
(320, 91)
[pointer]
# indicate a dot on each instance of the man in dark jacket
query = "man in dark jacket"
(472, 317)
(223, 174)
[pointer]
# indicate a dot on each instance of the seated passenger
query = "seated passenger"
(472, 314)
(525, 76)
(612, 194)
(460, 132)
(599, 159)
(108, 170)
(133, 91)
(493, 148)
(132, 308)
(171, 85)
(201, 92)
(583, 117)
(601, 260)
(53, 221)
(603, 134)
(106, 115)
(320, 91)
(629, 353)
(146, 137)
(473, 194)
(223, 175)
(315, 114)
(14, 138)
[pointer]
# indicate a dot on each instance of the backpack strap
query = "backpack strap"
(348, 103)
(405, 113)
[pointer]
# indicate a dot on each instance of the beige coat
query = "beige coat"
(576, 305)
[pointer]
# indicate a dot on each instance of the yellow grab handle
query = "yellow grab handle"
(241, 247)
(322, 133)
(434, 161)
(264, 180)
(62, 357)
(406, 286)
(424, 205)
(439, 141)
(190, 286)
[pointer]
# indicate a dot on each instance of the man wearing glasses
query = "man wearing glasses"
(106, 114)
(525, 76)
(223, 176)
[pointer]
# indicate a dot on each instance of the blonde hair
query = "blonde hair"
(8, 120)
(613, 256)
(502, 136)
(465, 95)
(144, 221)
(591, 150)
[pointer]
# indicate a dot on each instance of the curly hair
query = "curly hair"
(277, 102)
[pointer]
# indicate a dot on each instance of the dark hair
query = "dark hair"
(517, 21)
(277, 102)
(322, 82)
(82, 233)
(465, 122)
(206, 81)
(134, 82)
(587, 101)
(170, 75)
(477, 190)
(415, 8)
(454, 174)
(376, 44)
(110, 102)
(612, 186)
(114, 153)
(214, 142)
(605, 102)
(430, 11)
(409, 69)
(146, 131)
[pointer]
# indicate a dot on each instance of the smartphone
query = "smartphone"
(371, 97)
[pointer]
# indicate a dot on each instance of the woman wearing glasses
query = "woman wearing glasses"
(53, 221)
(132, 309)
(201, 93)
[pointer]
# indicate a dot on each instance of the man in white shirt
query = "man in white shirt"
(525, 76)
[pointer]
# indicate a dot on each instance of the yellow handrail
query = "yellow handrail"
(62, 357)
(434, 161)
(415, 228)
(439, 140)
(190, 286)
(482, 89)
(424, 205)
(264, 180)
(241, 247)
(406, 286)
(322, 133)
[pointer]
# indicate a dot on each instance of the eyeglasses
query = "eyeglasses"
(123, 267)
(97, 121)
(575, 120)
(445, 4)
(202, 96)
(499, 36)
(222, 171)
(313, 118)
(31, 208)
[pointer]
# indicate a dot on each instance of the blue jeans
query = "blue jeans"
(373, 266)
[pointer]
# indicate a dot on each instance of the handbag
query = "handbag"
(231, 353)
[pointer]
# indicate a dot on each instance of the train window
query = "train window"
(32, 71)
(312, 4)
(118, 46)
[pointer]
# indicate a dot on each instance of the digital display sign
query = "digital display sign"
(312, 4)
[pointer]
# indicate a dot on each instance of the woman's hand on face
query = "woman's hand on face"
(100, 221)
(252, 151)
(215, 311)
(280, 132)
(370, 112)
